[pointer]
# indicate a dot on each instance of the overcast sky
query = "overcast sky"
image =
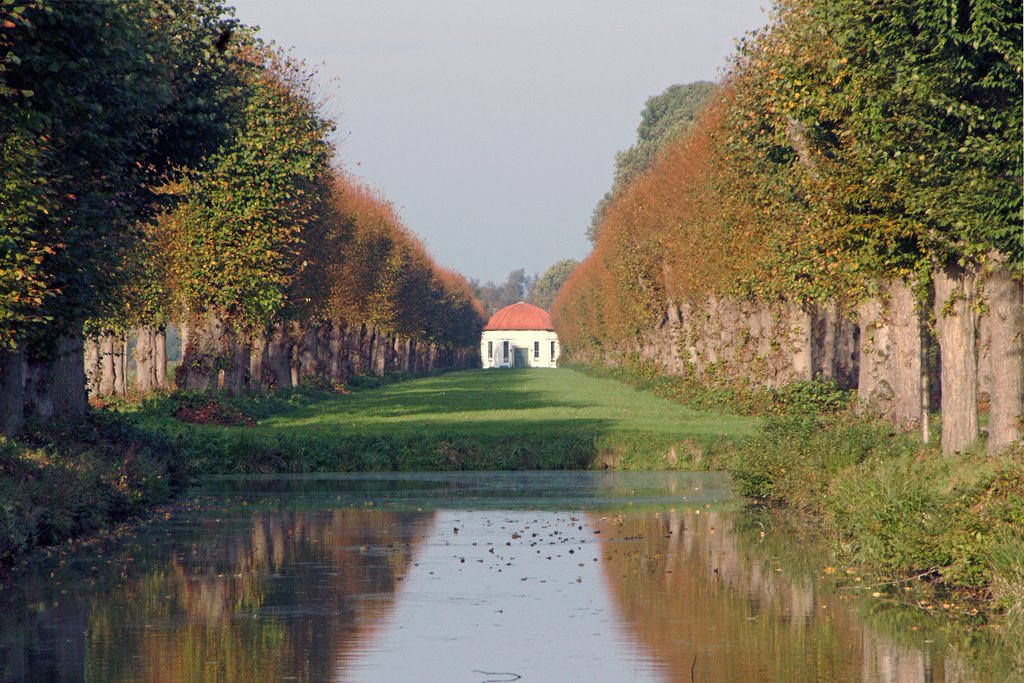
(493, 125)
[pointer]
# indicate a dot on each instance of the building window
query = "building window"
(504, 351)
(490, 350)
(552, 349)
(536, 350)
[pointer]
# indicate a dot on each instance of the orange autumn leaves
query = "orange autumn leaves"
(386, 277)
(676, 232)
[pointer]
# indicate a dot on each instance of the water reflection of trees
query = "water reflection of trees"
(261, 597)
(702, 597)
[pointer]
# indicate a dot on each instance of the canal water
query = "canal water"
(530, 576)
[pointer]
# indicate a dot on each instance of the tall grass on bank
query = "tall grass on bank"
(896, 507)
(69, 481)
(887, 500)
(739, 398)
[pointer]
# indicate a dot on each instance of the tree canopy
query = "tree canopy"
(664, 118)
(549, 284)
(851, 141)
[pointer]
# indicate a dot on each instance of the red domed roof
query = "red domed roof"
(520, 316)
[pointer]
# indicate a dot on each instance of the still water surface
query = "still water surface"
(470, 577)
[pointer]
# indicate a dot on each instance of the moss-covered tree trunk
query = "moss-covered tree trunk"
(55, 385)
(257, 362)
(335, 341)
(956, 328)
(12, 396)
(93, 371)
(924, 379)
(107, 365)
(801, 345)
(309, 352)
(432, 357)
(362, 359)
(150, 355)
(1005, 355)
(889, 372)
(121, 364)
(237, 357)
(202, 355)
(278, 365)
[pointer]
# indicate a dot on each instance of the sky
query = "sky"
(493, 125)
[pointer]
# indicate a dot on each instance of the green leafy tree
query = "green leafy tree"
(664, 118)
(251, 221)
(518, 286)
(238, 235)
(888, 106)
(550, 283)
(96, 110)
(72, 200)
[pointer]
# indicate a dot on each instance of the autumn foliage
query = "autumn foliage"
(386, 277)
(162, 165)
(800, 183)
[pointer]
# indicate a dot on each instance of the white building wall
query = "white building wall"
(492, 347)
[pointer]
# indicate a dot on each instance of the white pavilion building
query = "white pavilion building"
(520, 336)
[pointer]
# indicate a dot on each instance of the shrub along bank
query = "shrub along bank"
(71, 481)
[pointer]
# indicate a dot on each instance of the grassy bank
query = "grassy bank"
(70, 481)
(886, 501)
(897, 506)
(518, 419)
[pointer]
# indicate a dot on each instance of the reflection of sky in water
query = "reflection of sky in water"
(530, 608)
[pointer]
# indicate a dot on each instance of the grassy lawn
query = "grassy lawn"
(508, 403)
(475, 419)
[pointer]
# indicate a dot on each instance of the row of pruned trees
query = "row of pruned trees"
(161, 164)
(848, 204)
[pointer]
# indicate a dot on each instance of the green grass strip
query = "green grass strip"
(474, 419)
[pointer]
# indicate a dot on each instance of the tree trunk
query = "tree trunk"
(236, 371)
(257, 362)
(277, 368)
(889, 371)
(125, 364)
(93, 371)
(924, 375)
(12, 392)
(800, 338)
(107, 369)
(201, 357)
(160, 358)
(121, 345)
(55, 388)
(1006, 355)
(984, 346)
(826, 344)
(145, 359)
(956, 327)
(309, 353)
(336, 339)
(376, 362)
